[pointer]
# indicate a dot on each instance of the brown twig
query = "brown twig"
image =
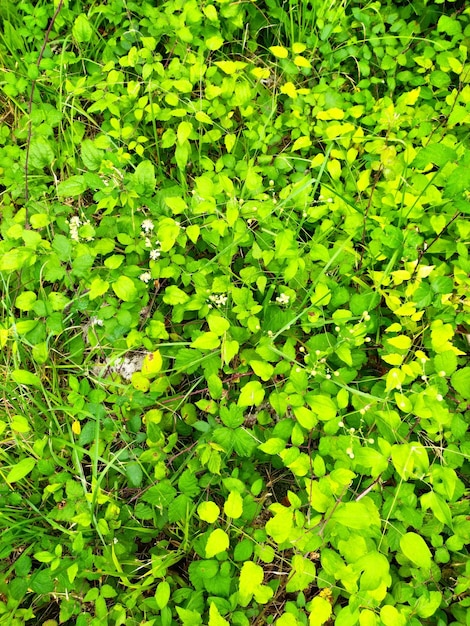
(30, 108)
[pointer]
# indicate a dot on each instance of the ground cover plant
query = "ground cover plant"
(235, 313)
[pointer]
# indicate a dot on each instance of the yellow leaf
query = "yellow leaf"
(289, 89)
(331, 114)
(262, 73)
(152, 364)
(301, 142)
(279, 51)
(334, 169)
(363, 180)
(301, 61)
(298, 48)
(76, 427)
(230, 67)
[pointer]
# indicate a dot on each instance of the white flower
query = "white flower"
(148, 243)
(219, 299)
(74, 225)
(350, 453)
(154, 254)
(147, 226)
(283, 299)
(96, 321)
(145, 277)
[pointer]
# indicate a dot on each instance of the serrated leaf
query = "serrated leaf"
(416, 550)
(320, 611)
(435, 153)
(217, 542)
(134, 474)
(218, 324)
(262, 369)
(174, 295)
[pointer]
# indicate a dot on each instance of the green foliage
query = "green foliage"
(235, 317)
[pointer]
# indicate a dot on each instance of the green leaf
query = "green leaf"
(436, 154)
(302, 575)
(174, 295)
(461, 382)
(82, 31)
(356, 515)
(20, 470)
(416, 550)
(215, 618)
(251, 394)
(306, 418)
(98, 287)
(279, 527)
(72, 187)
(184, 130)
(162, 594)
(262, 369)
(92, 156)
(206, 341)
(218, 324)
(208, 511)
(438, 506)
(445, 363)
(217, 542)
(23, 377)
(16, 259)
(134, 473)
(301, 142)
(144, 177)
(125, 289)
(25, 301)
(410, 460)
(215, 42)
(41, 153)
(233, 506)
(323, 406)
(320, 611)
(251, 577)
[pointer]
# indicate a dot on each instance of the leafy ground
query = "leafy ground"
(235, 315)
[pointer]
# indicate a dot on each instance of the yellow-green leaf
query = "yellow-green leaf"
(217, 542)
(279, 52)
(152, 364)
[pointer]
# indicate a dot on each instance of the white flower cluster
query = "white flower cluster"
(125, 366)
(146, 277)
(147, 227)
(74, 224)
(283, 299)
(219, 299)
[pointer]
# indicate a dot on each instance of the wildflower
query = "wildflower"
(96, 321)
(147, 226)
(154, 254)
(148, 243)
(145, 277)
(74, 225)
(283, 299)
(218, 299)
(350, 453)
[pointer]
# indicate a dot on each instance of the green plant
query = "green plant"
(235, 322)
